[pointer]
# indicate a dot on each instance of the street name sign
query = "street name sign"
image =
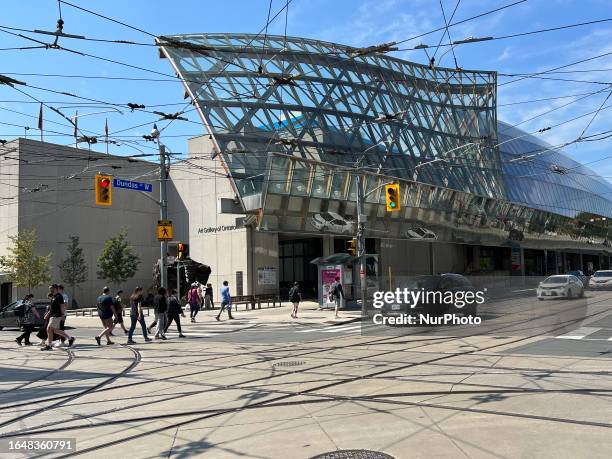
(138, 186)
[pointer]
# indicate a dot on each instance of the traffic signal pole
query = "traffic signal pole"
(361, 221)
(163, 211)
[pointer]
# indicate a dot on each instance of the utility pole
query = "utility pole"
(361, 221)
(163, 210)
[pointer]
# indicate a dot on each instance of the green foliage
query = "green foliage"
(25, 268)
(73, 269)
(117, 262)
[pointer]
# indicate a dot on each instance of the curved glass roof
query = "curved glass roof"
(349, 106)
(538, 175)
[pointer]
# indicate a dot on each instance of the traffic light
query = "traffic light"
(182, 250)
(104, 190)
(392, 195)
(351, 247)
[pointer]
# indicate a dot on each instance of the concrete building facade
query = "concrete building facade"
(50, 189)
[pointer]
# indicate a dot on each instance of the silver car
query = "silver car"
(601, 280)
(560, 286)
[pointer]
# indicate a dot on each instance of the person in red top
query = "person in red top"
(194, 299)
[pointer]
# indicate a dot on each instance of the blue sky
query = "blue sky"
(353, 22)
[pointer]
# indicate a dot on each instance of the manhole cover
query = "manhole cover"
(294, 363)
(353, 454)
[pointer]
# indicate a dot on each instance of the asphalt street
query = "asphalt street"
(536, 377)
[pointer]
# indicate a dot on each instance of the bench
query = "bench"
(256, 300)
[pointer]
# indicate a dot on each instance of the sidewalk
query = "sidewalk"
(308, 313)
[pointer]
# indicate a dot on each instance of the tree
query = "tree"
(73, 269)
(117, 262)
(24, 267)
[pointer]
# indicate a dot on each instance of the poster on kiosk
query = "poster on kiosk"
(328, 277)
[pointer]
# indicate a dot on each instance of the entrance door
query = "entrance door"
(5, 293)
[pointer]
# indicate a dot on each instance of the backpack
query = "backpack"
(294, 295)
(20, 310)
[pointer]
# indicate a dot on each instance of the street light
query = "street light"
(414, 176)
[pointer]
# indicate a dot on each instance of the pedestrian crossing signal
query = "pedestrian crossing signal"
(392, 195)
(104, 190)
(182, 251)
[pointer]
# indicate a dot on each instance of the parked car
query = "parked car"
(560, 285)
(332, 222)
(421, 234)
(442, 283)
(601, 280)
(8, 318)
(580, 275)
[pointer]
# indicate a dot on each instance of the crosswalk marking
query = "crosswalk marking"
(207, 330)
(579, 333)
(331, 329)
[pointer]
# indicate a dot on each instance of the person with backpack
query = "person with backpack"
(336, 294)
(195, 300)
(295, 296)
(106, 311)
(27, 312)
(174, 313)
(119, 311)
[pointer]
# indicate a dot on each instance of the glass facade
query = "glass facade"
(529, 178)
(293, 119)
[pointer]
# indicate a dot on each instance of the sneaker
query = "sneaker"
(98, 341)
(192, 320)
(18, 341)
(148, 340)
(149, 331)
(163, 338)
(46, 348)
(182, 336)
(217, 317)
(157, 337)
(131, 341)
(109, 343)
(70, 341)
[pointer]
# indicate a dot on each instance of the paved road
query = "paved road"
(536, 382)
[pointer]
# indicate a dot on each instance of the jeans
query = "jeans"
(136, 320)
(176, 317)
(225, 306)
(161, 319)
(194, 310)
